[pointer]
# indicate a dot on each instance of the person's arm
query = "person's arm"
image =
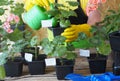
(94, 17)
(93, 12)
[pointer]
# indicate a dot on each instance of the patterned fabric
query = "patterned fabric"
(93, 5)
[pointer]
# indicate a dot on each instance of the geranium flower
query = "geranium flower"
(93, 5)
(12, 19)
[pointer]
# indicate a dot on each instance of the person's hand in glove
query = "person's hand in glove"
(72, 32)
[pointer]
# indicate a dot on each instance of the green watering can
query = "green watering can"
(34, 16)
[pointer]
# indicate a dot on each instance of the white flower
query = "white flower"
(10, 44)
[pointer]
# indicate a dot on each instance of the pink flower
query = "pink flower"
(11, 20)
(17, 19)
(6, 25)
(10, 17)
(93, 5)
(9, 30)
(103, 1)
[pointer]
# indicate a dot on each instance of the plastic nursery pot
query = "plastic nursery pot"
(14, 68)
(36, 67)
(116, 62)
(97, 64)
(34, 16)
(57, 30)
(62, 71)
(114, 39)
(64, 68)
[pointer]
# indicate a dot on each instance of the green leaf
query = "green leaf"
(60, 51)
(73, 3)
(65, 23)
(34, 41)
(2, 11)
(16, 35)
(104, 48)
(71, 55)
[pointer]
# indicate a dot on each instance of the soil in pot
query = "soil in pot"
(65, 62)
(97, 63)
(14, 68)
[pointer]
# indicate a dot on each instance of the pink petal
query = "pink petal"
(17, 19)
(10, 17)
(6, 25)
(103, 1)
(9, 30)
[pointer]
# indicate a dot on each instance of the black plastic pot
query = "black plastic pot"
(114, 39)
(64, 68)
(36, 67)
(57, 30)
(64, 61)
(62, 71)
(97, 64)
(116, 63)
(14, 68)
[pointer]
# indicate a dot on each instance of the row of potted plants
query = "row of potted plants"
(100, 35)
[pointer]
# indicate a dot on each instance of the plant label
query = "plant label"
(1, 53)
(85, 53)
(28, 57)
(50, 61)
(46, 23)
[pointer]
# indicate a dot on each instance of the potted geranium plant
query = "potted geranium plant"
(64, 54)
(60, 14)
(37, 64)
(99, 42)
(12, 42)
(18, 9)
(111, 23)
(7, 34)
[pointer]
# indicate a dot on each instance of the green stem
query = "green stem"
(2, 72)
(35, 52)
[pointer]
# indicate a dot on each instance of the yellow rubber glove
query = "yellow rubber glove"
(72, 32)
(44, 3)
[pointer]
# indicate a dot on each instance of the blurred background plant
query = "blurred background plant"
(18, 9)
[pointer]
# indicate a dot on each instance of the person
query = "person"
(87, 12)
(90, 9)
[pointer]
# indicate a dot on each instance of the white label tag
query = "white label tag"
(85, 53)
(1, 53)
(46, 23)
(50, 61)
(28, 57)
